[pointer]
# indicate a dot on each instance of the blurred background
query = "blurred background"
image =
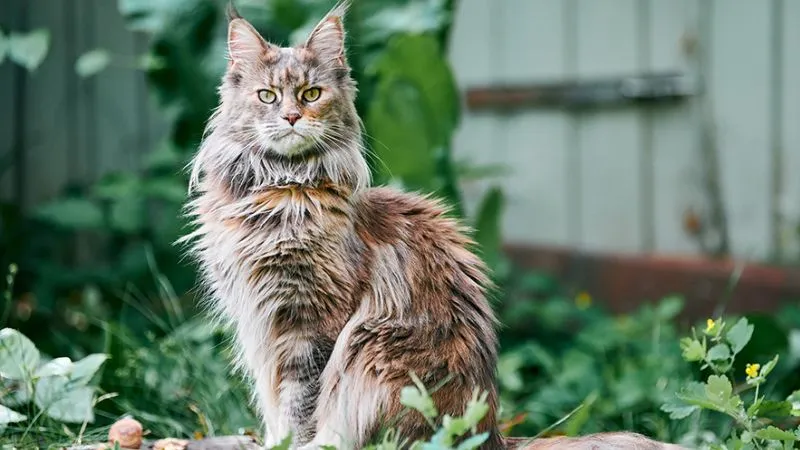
(608, 153)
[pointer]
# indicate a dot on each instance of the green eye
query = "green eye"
(267, 96)
(311, 94)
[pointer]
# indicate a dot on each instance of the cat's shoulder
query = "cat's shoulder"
(395, 202)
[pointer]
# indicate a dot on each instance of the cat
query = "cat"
(335, 291)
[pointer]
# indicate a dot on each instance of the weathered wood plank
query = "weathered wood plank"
(47, 108)
(532, 48)
(676, 179)
(740, 41)
(473, 56)
(790, 141)
(609, 140)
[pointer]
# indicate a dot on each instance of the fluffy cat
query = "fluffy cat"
(335, 291)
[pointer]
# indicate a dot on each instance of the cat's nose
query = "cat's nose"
(292, 118)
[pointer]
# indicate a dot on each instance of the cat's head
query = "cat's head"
(285, 109)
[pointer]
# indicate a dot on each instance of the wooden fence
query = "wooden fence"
(602, 178)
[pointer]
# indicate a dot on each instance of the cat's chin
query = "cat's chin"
(292, 146)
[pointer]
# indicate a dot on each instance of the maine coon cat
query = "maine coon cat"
(335, 291)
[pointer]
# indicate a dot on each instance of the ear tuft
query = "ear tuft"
(231, 12)
(327, 39)
(244, 42)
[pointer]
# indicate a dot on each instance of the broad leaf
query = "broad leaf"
(692, 349)
(74, 406)
(739, 335)
(92, 62)
(72, 213)
(487, 227)
(414, 110)
(29, 50)
(55, 367)
(771, 409)
(3, 46)
(719, 352)
(678, 409)
(8, 415)
(19, 358)
(83, 370)
(776, 434)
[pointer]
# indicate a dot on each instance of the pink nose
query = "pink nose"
(292, 118)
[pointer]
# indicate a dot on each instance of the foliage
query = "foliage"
(758, 421)
(27, 50)
(45, 390)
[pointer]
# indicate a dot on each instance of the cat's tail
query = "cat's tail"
(599, 441)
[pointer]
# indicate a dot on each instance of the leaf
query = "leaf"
(739, 335)
(83, 370)
(776, 434)
(19, 358)
(487, 227)
(72, 213)
(669, 307)
(74, 406)
(8, 415)
(772, 409)
(29, 50)
(55, 367)
(128, 214)
(473, 442)
(718, 352)
(92, 62)
(692, 349)
(414, 109)
(768, 367)
(285, 444)
(678, 409)
(411, 397)
(4, 46)
(694, 393)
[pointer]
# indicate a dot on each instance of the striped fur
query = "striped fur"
(335, 291)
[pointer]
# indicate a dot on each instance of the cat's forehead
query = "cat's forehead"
(291, 65)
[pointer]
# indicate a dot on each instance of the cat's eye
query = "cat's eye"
(311, 94)
(267, 96)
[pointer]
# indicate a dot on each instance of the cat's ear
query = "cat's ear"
(327, 39)
(244, 42)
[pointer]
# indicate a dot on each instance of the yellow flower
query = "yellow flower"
(583, 300)
(710, 324)
(752, 370)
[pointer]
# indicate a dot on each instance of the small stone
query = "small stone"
(171, 444)
(128, 432)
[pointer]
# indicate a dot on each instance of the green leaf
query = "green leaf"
(739, 335)
(414, 109)
(776, 434)
(473, 442)
(487, 227)
(768, 367)
(168, 189)
(19, 358)
(72, 213)
(411, 397)
(677, 409)
(4, 46)
(8, 415)
(29, 50)
(92, 62)
(772, 409)
(718, 389)
(83, 370)
(128, 214)
(73, 406)
(669, 307)
(692, 349)
(694, 393)
(55, 367)
(285, 444)
(719, 352)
